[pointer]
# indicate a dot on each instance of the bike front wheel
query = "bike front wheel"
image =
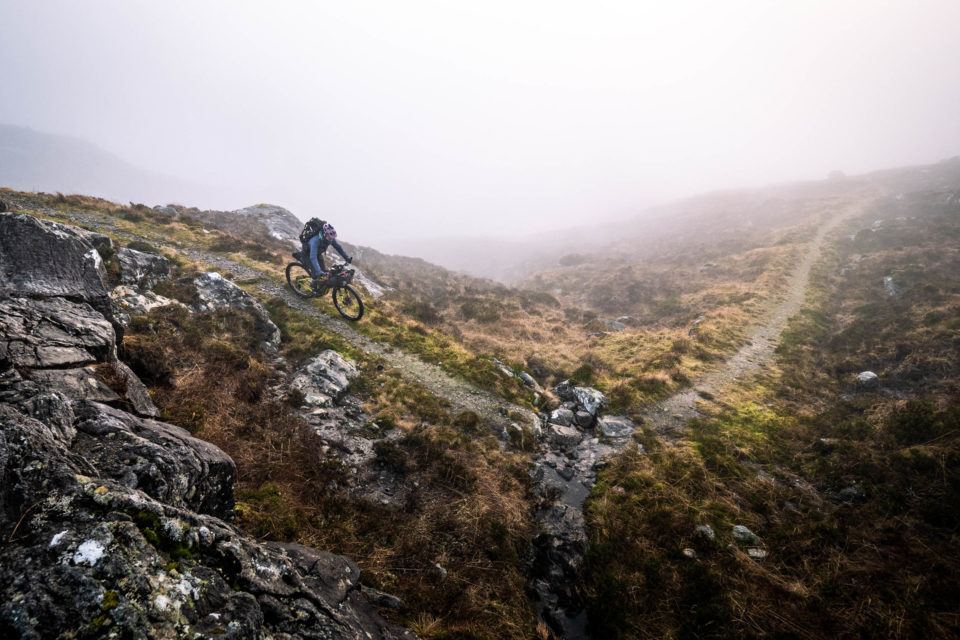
(348, 302)
(299, 280)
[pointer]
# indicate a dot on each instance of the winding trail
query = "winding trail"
(670, 416)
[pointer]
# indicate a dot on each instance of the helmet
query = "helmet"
(329, 232)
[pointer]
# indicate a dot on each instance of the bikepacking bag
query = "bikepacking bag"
(313, 227)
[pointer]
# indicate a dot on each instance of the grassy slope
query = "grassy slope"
(880, 565)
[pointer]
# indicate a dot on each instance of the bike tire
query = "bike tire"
(299, 280)
(348, 302)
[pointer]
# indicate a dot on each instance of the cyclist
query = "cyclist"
(315, 243)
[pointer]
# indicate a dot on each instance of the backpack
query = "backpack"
(313, 227)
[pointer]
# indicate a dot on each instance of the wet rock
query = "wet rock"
(216, 292)
(868, 380)
(743, 534)
(141, 269)
(590, 399)
(562, 417)
(563, 436)
(616, 426)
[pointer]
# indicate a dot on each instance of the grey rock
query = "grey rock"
(616, 426)
(46, 259)
(564, 391)
(868, 380)
(562, 416)
(381, 599)
(890, 287)
(590, 399)
(127, 299)
(756, 553)
(850, 494)
(141, 269)
(705, 532)
(583, 419)
(324, 379)
(216, 292)
(55, 332)
(743, 534)
(504, 369)
(89, 536)
(563, 436)
(530, 382)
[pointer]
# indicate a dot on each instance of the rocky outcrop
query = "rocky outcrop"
(42, 259)
(344, 430)
(116, 524)
(143, 270)
(216, 292)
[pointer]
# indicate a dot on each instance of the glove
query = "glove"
(350, 260)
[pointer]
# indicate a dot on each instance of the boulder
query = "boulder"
(583, 419)
(564, 391)
(616, 426)
(324, 379)
(562, 416)
(563, 436)
(216, 292)
(128, 300)
(743, 534)
(54, 333)
(868, 380)
(704, 532)
(590, 399)
(141, 269)
(43, 259)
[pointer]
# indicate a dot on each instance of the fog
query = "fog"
(400, 120)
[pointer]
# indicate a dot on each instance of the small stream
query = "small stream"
(565, 470)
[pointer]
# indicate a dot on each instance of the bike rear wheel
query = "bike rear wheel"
(300, 280)
(348, 302)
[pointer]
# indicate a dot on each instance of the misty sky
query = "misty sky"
(398, 119)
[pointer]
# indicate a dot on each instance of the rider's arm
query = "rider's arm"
(314, 252)
(336, 245)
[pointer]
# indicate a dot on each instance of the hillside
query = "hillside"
(717, 359)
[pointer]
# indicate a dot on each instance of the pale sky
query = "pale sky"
(419, 118)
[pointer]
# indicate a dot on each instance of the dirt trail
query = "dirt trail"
(670, 416)
(461, 394)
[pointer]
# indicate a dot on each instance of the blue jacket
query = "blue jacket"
(318, 244)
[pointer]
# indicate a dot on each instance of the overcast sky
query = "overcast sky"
(410, 118)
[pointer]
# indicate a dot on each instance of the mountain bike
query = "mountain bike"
(345, 298)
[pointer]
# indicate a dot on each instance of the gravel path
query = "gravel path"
(670, 416)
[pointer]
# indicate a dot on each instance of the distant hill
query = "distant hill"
(35, 161)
